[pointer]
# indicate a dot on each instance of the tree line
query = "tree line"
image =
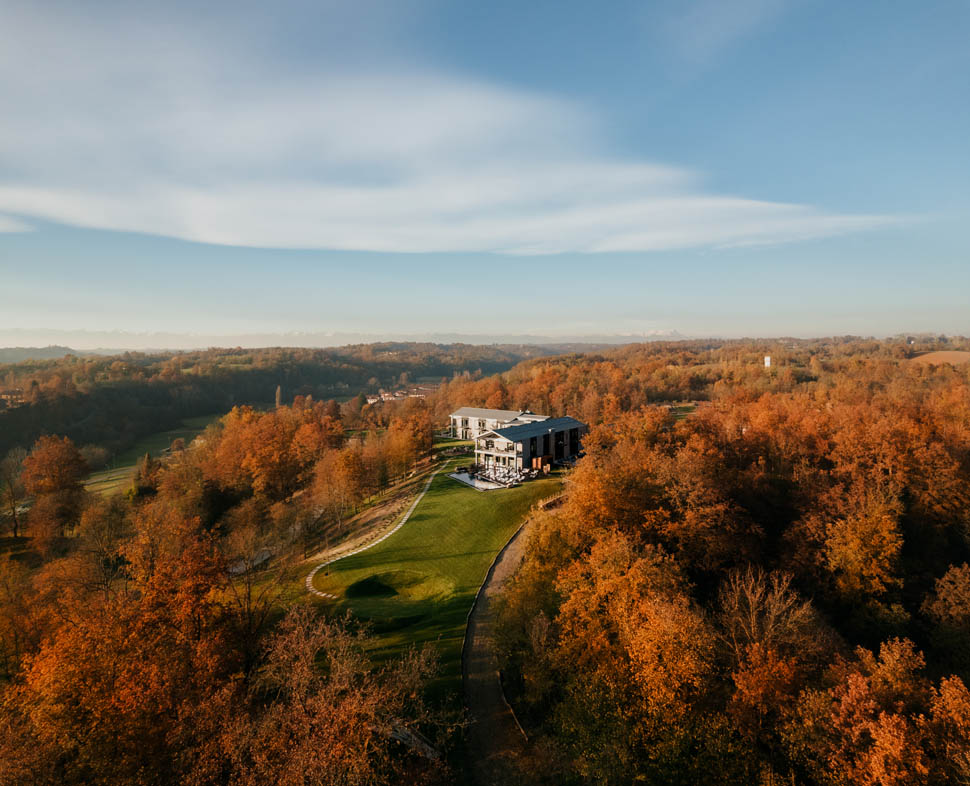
(114, 401)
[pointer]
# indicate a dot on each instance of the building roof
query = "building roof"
(490, 414)
(527, 430)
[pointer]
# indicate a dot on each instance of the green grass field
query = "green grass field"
(119, 473)
(447, 443)
(418, 585)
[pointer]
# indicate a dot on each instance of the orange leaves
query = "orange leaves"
(110, 689)
(871, 726)
(271, 452)
(950, 728)
(670, 648)
(862, 549)
(662, 486)
(764, 682)
(625, 618)
(496, 400)
(949, 604)
(53, 465)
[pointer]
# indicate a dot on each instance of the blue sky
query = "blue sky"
(712, 167)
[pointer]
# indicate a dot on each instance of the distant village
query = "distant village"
(9, 399)
(417, 391)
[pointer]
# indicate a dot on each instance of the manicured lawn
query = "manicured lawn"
(418, 585)
(443, 443)
(117, 476)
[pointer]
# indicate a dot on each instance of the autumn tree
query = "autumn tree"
(862, 548)
(870, 727)
(151, 665)
(18, 633)
(948, 606)
(53, 466)
(12, 490)
(331, 719)
(773, 640)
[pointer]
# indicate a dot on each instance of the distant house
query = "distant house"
(469, 422)
(530, 445)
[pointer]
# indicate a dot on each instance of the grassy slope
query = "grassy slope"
(418, 585)
(118, 475)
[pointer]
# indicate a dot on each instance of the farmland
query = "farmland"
(953, 357)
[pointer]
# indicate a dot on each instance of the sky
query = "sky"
(411, 167)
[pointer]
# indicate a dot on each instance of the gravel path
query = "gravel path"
(494, 739)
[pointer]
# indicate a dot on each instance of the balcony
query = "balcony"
(490, 447)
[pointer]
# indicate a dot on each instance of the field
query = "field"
(118, 474)
(954, 357)
(418, 585)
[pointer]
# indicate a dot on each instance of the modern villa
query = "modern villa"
(530, 445)
(518, 439)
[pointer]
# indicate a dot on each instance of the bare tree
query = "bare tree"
(758, 608)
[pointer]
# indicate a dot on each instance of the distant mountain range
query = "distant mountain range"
(60, 342)
(18, 354)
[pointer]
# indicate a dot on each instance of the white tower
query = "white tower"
(767, 361)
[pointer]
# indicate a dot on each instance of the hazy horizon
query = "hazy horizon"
(106, 342)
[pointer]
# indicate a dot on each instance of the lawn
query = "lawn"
(118, 474)
(418, 585)
(451, 443)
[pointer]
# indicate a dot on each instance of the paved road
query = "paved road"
(494, 742)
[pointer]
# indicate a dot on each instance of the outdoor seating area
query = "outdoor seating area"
(491, 476)
(504, 476)
(475, 481)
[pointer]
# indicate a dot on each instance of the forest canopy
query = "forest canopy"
(773, 588)
(759, 572)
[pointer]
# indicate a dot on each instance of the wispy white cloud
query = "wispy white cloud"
(155, 129)
(10, 224)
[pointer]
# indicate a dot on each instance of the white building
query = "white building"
(469, 422)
